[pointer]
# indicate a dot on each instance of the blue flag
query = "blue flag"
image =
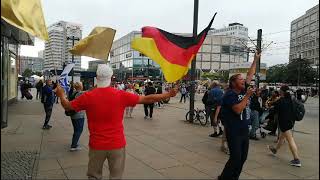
(63, 79)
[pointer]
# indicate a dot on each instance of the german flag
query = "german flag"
(172, 52)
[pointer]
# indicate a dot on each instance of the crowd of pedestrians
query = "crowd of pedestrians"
(236, 111)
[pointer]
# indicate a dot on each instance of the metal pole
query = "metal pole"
(248, 51)
(299, 61)
(193, 64)
(259, 39)
(72, 73)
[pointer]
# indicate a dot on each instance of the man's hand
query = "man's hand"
(59, 91)
(257, 55)
(250, 91)
(173, 92)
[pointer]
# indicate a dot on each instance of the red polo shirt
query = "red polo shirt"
(104, 108)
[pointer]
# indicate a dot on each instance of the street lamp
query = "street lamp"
(73, 39)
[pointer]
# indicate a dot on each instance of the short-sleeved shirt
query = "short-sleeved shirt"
(104, 108)
(236, 123)
(215, 97)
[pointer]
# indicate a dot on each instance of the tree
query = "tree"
(27, 73)
(300, 68)
(277, 74)
(38, 73)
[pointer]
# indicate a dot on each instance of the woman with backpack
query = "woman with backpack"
(284, 107)
(77, 118)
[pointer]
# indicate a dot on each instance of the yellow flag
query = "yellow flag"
(96, 45)
(26, 15)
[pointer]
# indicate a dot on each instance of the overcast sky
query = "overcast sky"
(272, 16)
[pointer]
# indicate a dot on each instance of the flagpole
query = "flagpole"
(193, 64)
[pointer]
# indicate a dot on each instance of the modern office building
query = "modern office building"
(93, 65)
(217, 53)
(11, 39)
(33, 63)
(56, 52)
(236, 30)
(304, 38)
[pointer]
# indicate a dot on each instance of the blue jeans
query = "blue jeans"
(255, 120)
(264, 115)
(77, 130)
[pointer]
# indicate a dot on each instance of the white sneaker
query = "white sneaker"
(146, 117)
(78, 148)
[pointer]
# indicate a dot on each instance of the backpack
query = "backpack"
(298, 109)
(71, 113)
(205, 98)
(210, 98)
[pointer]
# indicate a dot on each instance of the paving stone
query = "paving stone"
(18, 165)
(183, 172)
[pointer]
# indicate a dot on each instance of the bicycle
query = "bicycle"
(199, 115)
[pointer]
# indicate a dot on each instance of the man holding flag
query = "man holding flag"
(105, 107)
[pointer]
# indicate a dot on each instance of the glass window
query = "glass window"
(225, 49)
(206, 57)
(313, 16)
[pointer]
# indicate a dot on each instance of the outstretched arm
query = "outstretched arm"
(252, 69)
(149, 99)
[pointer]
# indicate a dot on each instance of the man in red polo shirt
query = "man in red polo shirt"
(105, 107)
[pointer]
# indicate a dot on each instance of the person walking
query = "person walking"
(129, 109)
(105, 107)
(286, 119)
(159, 91)
(235, 113)
(214, 106)
(183, 92)
(149, 89)
(47, 99)
(39, 86)
(77, 119)
(256, 110)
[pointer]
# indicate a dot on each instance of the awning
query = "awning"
(15, 35)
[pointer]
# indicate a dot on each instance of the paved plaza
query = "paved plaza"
(165, 147)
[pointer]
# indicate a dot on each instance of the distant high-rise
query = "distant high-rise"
(56, 51)
(304, 38)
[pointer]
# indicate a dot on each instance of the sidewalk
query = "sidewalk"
(163, 148)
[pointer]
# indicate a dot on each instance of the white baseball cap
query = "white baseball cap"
(104, 75)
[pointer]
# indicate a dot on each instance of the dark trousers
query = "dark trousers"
(77, 130)
(238, 147)
(146, 109)
(184, 97)
(48, 110)
(39, 93)
(159, 103)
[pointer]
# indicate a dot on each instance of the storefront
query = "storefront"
(11, 39)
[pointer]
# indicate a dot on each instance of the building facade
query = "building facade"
(304, 38)
(57, 48)
(130, 64)
(93, 65)
(243, 68)
(11, 39)
(33, 63)
(217, 53)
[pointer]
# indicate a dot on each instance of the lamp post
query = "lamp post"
(73, 39)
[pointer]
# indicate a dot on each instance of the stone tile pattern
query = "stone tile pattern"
(18, 165)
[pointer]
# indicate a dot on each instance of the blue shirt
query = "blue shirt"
(235, 123)
(215, 95)
(48, 95)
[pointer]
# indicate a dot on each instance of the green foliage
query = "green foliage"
(300, 67)
(27, 73)
(221, 76)
(289, 73)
